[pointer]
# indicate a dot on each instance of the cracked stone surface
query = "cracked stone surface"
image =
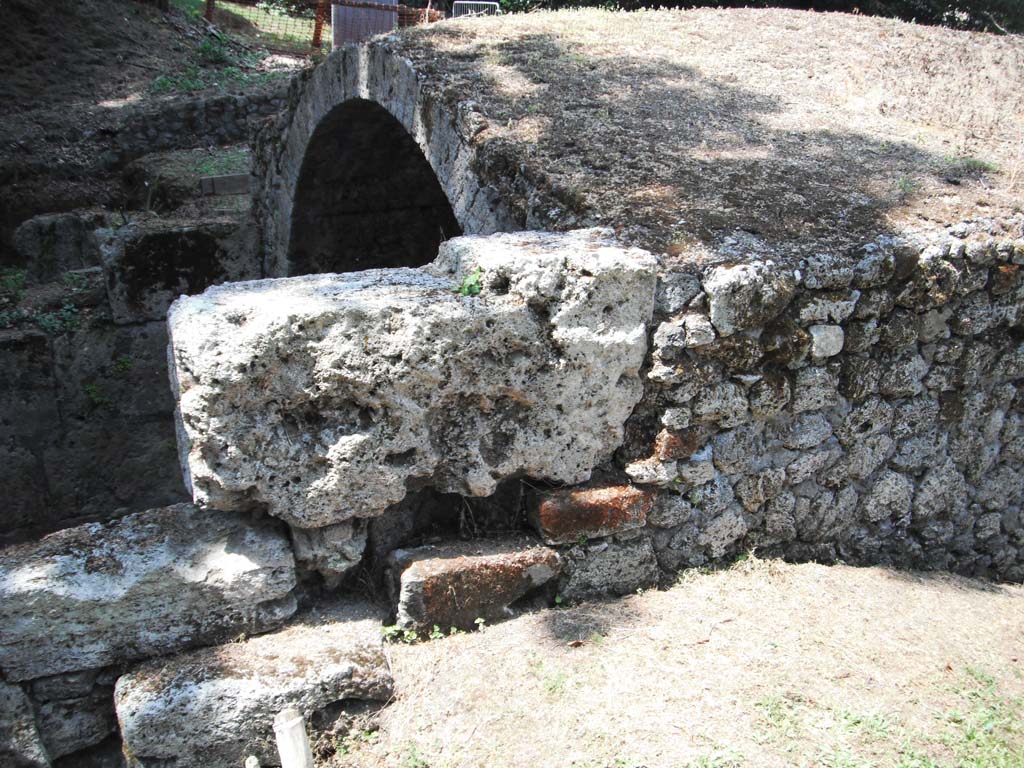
(317, 662)
(147, 584)
(326, 397)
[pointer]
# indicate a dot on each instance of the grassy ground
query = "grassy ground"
(727, 130)
(257, 25)
(765, 664)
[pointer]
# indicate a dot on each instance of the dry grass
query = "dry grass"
(686, 128)
(766, 664)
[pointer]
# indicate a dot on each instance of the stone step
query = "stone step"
(213, 707)
(454, 584)
(568, 516)
(148, 584)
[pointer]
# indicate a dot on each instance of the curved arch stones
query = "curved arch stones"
(371, 72)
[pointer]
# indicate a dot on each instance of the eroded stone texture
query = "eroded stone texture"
(453, 585)
(563, 517)
(20, 745)
(332, 551)
(235, 690)
(148, 584)
(872, 415)
(609, 567)
(323, 398)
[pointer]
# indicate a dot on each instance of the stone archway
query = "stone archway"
(366, 197)
(365, 168)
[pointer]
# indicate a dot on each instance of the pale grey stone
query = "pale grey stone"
(651, 471)
(721, 533)
(780, 522)
(826, 340)
(902, 377)
(675, 291)
(770, 395)
(323, 397)
(698, 469)
(144, 585)
(806, 431)
(868, 454)
(754, 490)
(670, 510)
(987, 526)
(872, 417)
(816, 387)
(332, 551)
(699, 330)
(828, 307)
(827, 271)
(724, 403)
(889, 498)
(20, 744)
(747, 295)
(739, 450)
(234, 691)
(676, 418)
(810, 463)
(618, 569)
(71, 725)
(942, 489)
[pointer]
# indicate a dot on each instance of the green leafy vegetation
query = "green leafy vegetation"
(59, 321)
(12, 284)
(470, 285)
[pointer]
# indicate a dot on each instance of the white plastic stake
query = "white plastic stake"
(292, 741)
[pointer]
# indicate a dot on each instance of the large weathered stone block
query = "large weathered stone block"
(235, 690)
(325, 397)
(453, 585)
(145, 585)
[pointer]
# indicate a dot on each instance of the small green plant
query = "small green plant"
(12, 317)
(395, 634)
(12, 284)
(479, 621)
(413, 758)
(967, 165)
(555, 684)
(75, 281)
(123, 365)
(61, 321)
(436, 633)
(95, 395)
(906, 186)
(559, 600)
(455, 631)
(213, 51)
(470, 285)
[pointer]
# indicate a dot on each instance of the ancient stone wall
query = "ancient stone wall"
(87, 428)
(867, 409)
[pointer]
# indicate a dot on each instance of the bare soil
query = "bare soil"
(71, 73)
(765, 664)
(718, 132)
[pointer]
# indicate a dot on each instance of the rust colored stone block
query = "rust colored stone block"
(563, 517)
(680, 444)
(454, 584)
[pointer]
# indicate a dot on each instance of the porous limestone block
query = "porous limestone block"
(324, 397)
(213, 707)
(747, 295)
(20, 745)
(145, 585)
(453, 585)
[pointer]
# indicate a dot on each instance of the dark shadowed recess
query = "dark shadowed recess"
(367, 197)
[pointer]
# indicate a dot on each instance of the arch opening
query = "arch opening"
(366, 196)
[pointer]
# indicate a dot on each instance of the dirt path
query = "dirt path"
(766, 664)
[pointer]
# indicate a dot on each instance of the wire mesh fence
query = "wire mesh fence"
(304, 26)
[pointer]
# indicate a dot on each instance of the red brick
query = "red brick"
(564, 517)
(454, 584)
